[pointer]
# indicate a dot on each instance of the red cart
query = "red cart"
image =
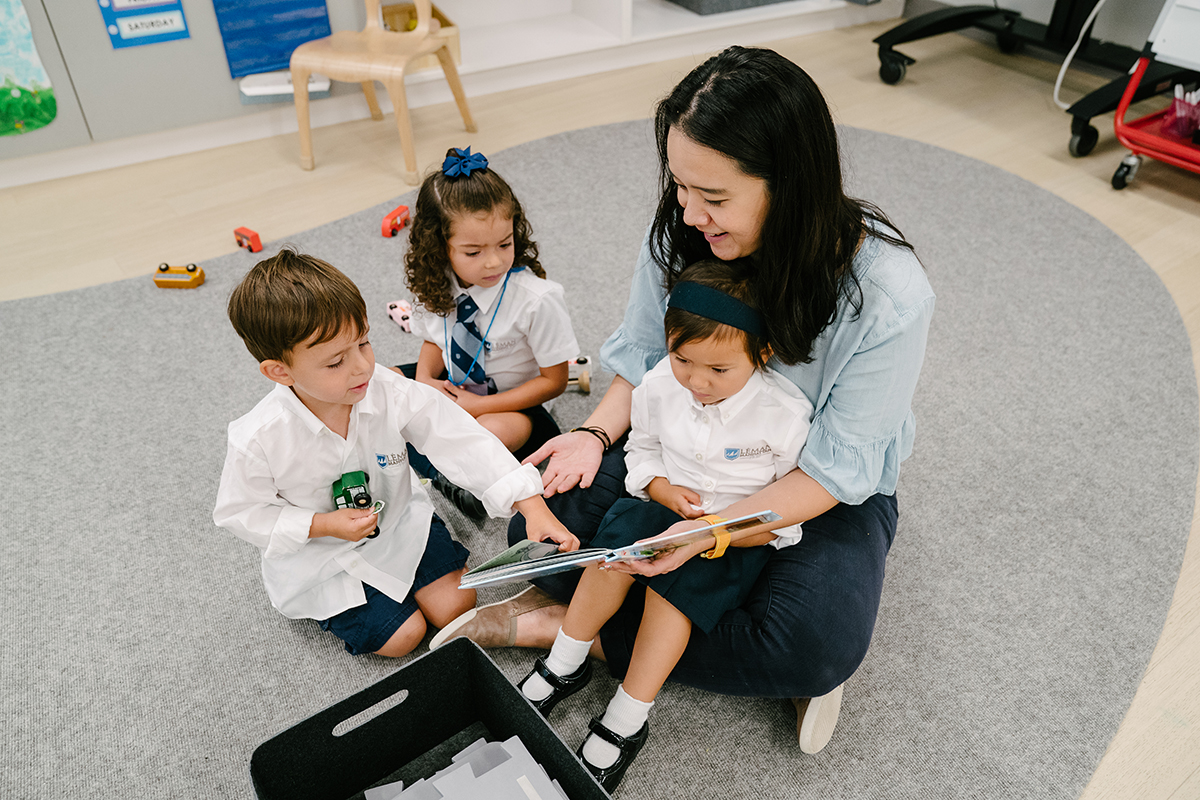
(1174, 40)
(1147, 136)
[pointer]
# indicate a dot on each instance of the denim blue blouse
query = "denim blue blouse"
(861, 378)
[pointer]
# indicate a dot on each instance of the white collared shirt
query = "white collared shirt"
(280, 469)
(529, 329)
(724, 452)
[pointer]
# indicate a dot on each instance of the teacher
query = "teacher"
(750, 167)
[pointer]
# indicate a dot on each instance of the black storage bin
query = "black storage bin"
(721, 6)
(455, 695)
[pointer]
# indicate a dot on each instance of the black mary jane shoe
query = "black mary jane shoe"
(630, 746)
(560, 687)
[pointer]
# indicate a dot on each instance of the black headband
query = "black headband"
(716, 305)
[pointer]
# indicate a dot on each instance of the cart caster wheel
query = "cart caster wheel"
(1125, 172)
(1082, 143)
(891, 69)
(1007, 41)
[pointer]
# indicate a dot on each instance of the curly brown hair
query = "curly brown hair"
(439, 201)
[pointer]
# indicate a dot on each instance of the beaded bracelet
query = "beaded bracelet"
(597, 432)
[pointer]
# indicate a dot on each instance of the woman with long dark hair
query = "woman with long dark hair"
(750, 169)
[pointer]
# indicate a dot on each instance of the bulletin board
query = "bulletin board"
(260, 35)
(133, 23)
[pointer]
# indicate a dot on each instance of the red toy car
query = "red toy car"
(395, 220)
(248, 239)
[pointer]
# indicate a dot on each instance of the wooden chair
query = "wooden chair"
(374, 54)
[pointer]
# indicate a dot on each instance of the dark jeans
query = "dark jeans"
(807, 623)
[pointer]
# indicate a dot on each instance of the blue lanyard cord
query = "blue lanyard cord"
(483, 343)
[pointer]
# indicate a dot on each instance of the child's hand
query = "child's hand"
(349, 524)
(567, 541)
(541, 524)
(681, 500)
(467, 401)
(668, 561)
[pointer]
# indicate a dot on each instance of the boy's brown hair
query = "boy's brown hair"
(734, 278)
(285, 299)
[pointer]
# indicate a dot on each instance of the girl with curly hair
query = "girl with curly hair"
(497, 333)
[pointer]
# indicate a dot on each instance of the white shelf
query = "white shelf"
(516, 33)
(530, 40)
(655, 19)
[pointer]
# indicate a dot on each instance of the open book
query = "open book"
(528, 559)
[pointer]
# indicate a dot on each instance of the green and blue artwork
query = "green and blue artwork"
(26, 96)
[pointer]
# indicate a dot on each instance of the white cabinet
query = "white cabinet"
(525, 42)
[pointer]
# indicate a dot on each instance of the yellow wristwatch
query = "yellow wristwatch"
(720, 534)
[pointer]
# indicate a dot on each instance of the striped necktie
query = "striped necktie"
(466, 345)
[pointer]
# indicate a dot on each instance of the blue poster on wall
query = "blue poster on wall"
(260, 35)
(131, 23)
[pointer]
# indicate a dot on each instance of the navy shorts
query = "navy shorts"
(367, 628)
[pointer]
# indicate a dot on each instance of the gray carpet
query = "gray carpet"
(1043, 515)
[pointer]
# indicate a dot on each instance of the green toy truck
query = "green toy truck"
(350, 491)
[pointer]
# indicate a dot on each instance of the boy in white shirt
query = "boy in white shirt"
(373, 579)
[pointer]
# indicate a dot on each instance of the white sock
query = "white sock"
(566, 656)
(624, 716)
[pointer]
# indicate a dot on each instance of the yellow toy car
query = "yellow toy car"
(188, 277)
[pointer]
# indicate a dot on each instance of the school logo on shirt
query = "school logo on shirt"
(390, 461)
(503, 344)
(734, 453)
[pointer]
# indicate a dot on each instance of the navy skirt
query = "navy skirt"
(701, 589)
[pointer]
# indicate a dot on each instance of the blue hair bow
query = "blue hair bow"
(462, 162)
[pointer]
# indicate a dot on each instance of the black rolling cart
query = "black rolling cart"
(1012, 31)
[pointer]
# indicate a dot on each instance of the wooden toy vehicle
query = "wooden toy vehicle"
(580, 377)
(400, 312)
(248, 239)
(187, 277)
(395, 220)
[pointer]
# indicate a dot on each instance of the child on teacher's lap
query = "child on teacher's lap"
(711, 425)
(497, 334)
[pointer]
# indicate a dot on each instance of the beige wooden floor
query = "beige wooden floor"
(962, 95)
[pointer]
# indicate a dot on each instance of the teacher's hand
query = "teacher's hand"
(574, 460)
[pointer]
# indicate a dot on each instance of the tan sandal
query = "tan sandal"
(494, 625)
